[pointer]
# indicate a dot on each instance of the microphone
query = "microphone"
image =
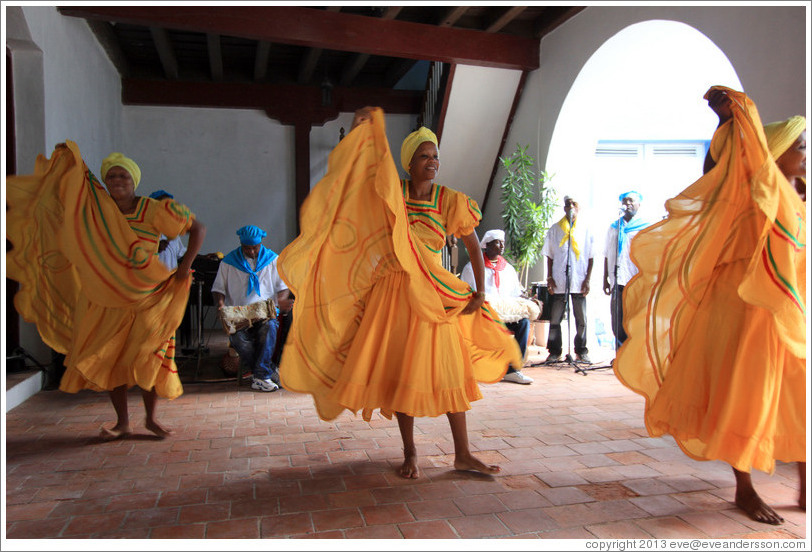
(569, 217)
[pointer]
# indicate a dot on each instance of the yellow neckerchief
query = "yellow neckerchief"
(565, 226)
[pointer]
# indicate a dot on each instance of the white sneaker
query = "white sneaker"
(517, 377)
(264, 385)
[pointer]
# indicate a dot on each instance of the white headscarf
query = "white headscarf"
(491, 235)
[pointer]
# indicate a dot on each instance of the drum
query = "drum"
(238, 318)
(514, 309)
(540, 292)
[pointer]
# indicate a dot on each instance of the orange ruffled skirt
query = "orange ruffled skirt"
(716, 316)
(95, 290)
(376, 321)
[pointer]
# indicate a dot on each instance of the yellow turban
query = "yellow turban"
(782, 134)
(412, 142)
(120, 160)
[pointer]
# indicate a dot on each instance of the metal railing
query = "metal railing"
(432, 97)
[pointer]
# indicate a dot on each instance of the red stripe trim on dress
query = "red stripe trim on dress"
(85, 252)
(777, 282)
(787, 239)
(430, 227)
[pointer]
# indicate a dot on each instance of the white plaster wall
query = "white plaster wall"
(28, 89)
(65, 88)
(478, 110)
(324, 138)
(322, 141)
(232, 167)
(82, 87)
(765, 44)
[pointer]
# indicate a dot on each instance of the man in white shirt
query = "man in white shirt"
(501, 283)
(248, 275)
(169, 251)
(568, 248)
(618, 267)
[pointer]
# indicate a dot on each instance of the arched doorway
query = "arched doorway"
(635, 119)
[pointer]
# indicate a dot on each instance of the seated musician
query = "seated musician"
(505, 294)
(248, 275)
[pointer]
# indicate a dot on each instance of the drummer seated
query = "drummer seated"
(245, 276)
(502, 286)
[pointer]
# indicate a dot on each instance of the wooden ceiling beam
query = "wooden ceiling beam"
(308, 67)
(311, 59)
(452, 16)
(109, 41)
(359, 60)
(215, 56)
(552, 17)
(165, 52)
(504, 18)
(336, 31)
(261, 60)
(352, 69)
(286, 103)
(398, 70)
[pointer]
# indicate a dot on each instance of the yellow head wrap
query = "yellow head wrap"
(116, 159)
(782, 134)
(412, 142)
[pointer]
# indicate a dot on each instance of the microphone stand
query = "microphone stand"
(567, 273)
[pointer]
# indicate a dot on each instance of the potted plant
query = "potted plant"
(529, 202)
(525, 219)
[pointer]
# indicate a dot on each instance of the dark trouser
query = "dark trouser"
(285, 320)
(616, 304)
(255, 345)
(558, 301)
(521, 331)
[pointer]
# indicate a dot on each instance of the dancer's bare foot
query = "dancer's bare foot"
(469, 462)
(158, 429)
(113, 433)
(409, 469)
(749, 501)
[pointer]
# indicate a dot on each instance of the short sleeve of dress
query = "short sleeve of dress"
(461, 213)
(171, 218)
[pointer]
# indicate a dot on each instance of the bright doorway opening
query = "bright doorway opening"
(634, 119)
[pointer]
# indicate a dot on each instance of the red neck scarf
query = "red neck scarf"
(497, 267)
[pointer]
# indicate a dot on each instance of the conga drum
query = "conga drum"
(240, 317)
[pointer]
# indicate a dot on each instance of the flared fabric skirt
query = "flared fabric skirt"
(400, 362)
(119, 346)
(740, 400)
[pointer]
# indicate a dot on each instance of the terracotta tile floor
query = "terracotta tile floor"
(576, 463)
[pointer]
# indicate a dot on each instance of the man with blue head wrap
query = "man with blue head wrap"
(248, 275)
(169, 251)
(618, 267)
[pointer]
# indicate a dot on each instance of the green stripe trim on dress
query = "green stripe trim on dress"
(783, 280)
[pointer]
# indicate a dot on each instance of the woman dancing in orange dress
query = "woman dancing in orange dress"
(378, 323)
(717, 324)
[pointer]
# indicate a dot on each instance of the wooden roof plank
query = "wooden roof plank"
(329, 30)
